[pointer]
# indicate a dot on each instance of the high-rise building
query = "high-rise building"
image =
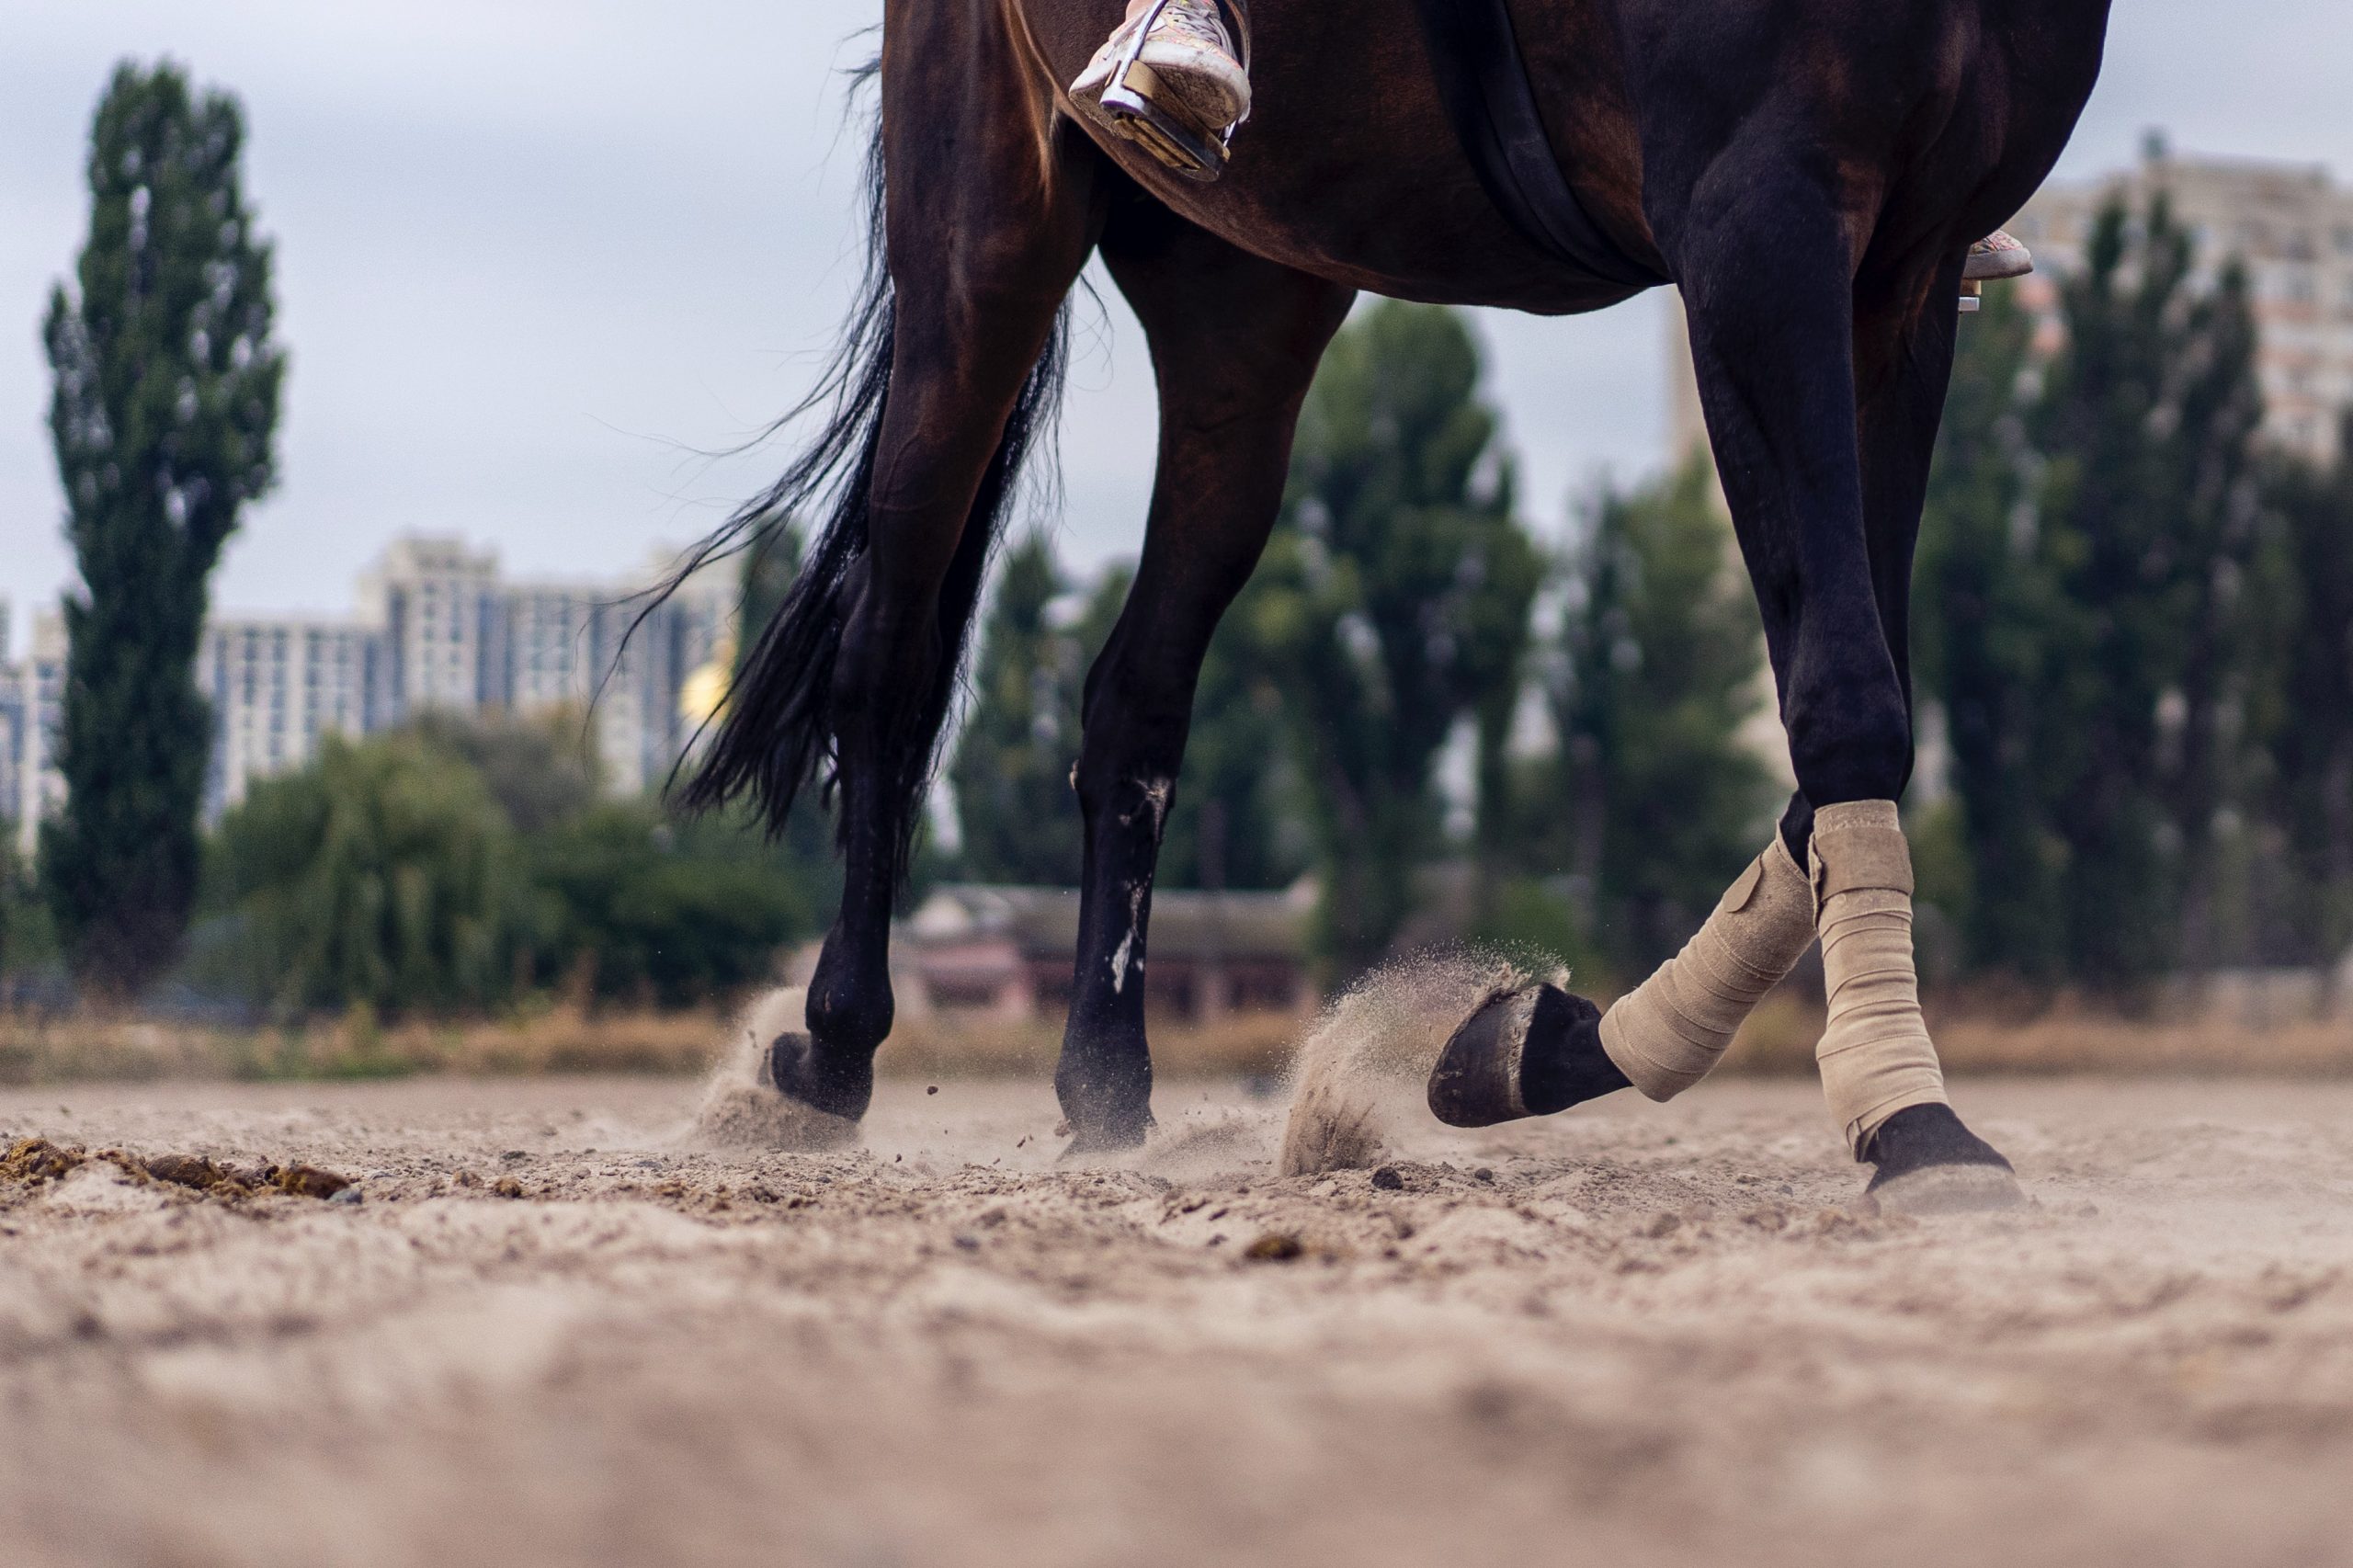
(32, 697)
(2292, 228)
(278, 685)
(438, 631)
(436, 603)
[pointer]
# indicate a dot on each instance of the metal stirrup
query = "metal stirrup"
(1166, 137)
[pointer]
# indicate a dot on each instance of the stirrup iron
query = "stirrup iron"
(1183, 149)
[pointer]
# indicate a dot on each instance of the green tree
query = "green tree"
(2091, 527)
(1661, 655)
(2307, 717)
(1017, 812)
(542, 769)
(655, 913)
(1393, 602)
(165, 406)
(1983, 605)
(1235, 823)
(386, 873)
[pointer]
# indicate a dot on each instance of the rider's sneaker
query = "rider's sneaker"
(1996, 257)
(1195, 70)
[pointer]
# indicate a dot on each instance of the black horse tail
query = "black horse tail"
(774, 734)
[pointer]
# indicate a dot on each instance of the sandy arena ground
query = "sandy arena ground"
(1633, 1335)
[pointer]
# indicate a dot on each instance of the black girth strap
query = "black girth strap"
(1484, 79)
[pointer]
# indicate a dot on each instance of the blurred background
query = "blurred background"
(485, 311)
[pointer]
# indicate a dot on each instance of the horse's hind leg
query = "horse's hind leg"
(1234, 343)
(1825, 490)
(988, 226)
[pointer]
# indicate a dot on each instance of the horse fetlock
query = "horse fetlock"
(850, 1013)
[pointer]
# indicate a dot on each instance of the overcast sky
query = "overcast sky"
(537, 256)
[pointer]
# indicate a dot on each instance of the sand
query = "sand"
(553, 1331)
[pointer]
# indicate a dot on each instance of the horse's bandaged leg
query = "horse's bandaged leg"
(1875, 1055)
(1668, 1031)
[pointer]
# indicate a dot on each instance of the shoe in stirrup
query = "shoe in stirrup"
(1173, 79)
(1991, 259)
(1994, 258)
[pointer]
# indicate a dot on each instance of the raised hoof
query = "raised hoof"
(1528, 1052)
(794, 1072)
(1928, 1162)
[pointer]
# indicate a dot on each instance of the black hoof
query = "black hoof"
(1528, 1052)
(1929, 1163)
(796, 1072)
(1109, 1136)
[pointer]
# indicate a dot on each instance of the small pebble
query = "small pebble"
(345, 1194)
(933, 1090)
(1388, 1180)
(1484, 1173)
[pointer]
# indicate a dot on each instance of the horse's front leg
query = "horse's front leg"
(1234, 343)
(1822, 400)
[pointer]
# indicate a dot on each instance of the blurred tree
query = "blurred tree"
(1661, 659)
(1019, 816)
(654, 912)
(1236, 822)
(1393, 604)
(765, 577)
(163, 415)
(2089, 538)
(2308, 719)
(384, 873)
(541, 768)
(1985, 598)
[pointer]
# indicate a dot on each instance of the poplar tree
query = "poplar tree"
(1019, 817)
(1393, 604)
(1658, 798)
(164, 408)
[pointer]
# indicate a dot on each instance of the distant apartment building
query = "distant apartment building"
(277, 686)
(438, 629)
(2287, 223)
(32, 697)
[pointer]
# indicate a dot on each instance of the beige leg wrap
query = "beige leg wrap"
(1875, 1055)
(1668, 1031)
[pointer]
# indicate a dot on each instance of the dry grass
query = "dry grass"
(2062, 1037)
(562, 1039)
(1777, 1039)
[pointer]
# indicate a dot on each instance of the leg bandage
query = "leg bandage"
(1668, 1031)
(1875, 1055)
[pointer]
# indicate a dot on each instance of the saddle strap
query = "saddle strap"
(1483, 77)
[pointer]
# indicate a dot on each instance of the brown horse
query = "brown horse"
(1808, 172)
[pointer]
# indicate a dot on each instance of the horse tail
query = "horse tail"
(773, 735)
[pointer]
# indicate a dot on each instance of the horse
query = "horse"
(1808, 173)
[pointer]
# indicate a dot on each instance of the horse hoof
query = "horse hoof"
(1930, 1164)
(1111, 1135)
(794, 1072)
(1528, 1052)
(1945, 1189)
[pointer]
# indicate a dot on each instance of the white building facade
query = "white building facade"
(439, 629)
(33, 699)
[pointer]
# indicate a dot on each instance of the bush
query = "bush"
(663, 914)
(385, 874)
